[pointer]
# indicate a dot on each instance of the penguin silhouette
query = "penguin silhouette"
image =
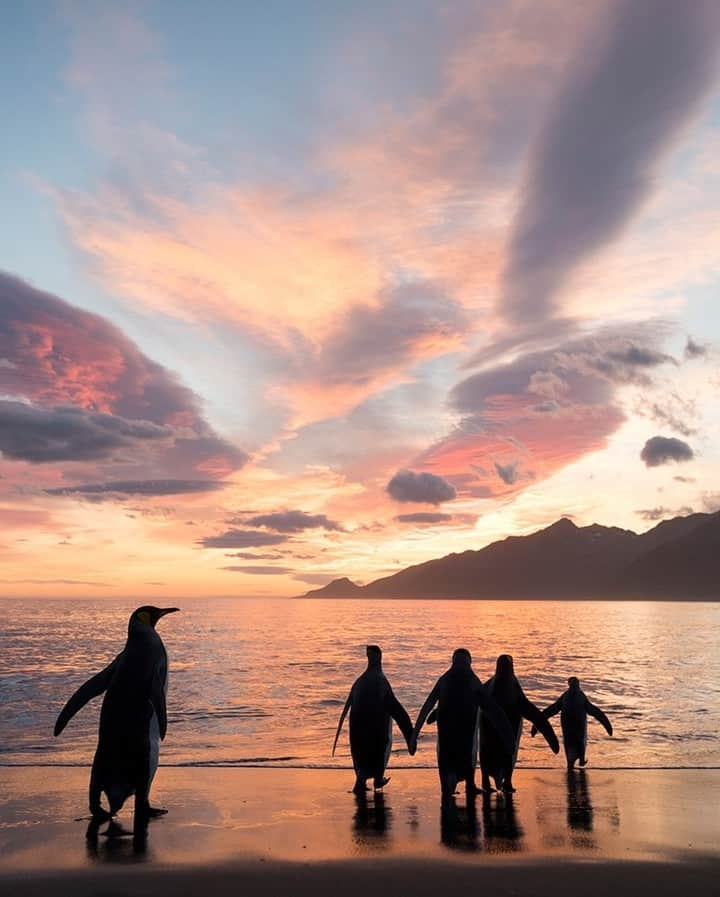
(574, 707)
(495, 760)
(373, 707)
(460, 695)
(133, 718)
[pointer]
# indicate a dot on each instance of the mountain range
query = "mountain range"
(679, 559)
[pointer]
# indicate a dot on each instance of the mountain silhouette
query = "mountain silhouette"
(677, 559)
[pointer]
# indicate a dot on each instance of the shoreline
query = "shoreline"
(270, 830)
(240, 764)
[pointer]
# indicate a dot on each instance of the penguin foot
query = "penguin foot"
(100, 814)
(360, 789)
(582, 762)
(380, 783)
(472, 790)
(507, 788)
(152, 812)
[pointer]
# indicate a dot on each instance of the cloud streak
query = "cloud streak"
(120, 488)
(631, 89)
(242, 538)
(294, 521)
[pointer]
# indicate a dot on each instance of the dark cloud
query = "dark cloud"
(508, 473)
(242, 538)
(664, 449)
(695, 350)
(661, 513)
(58, 357)
(67, 433)
(424, 517)
(629, 91)
(261, 571)
(293, 521)
(581, 371)
(140, 487)
(633, 355)
(680, 479)
(408, 486)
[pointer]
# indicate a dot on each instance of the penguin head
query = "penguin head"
(574, 682)
(374, 655)
(149, 615)
(461, 657)
(504, 666)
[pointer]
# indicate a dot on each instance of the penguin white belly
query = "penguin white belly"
(517, 743)
(388, 744)
(155, 739)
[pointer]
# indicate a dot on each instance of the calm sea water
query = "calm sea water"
(263, 681)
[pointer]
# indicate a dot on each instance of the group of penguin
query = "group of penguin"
(133, 721)
(469, 715)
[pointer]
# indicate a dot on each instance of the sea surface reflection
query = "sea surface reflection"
(263, 681)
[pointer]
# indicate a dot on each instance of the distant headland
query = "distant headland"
(679, 559)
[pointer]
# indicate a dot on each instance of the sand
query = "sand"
(270, 831)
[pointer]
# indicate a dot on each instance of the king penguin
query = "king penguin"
(495, 759)
(133, 718)
(460, 696)
(373, 707)
(574, 707)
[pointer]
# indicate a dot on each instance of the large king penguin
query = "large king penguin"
(373, 707)
(574, 707)
(133, 718)
(496, 760)
(460, 696)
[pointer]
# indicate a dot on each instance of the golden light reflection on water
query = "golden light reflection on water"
(263, 681)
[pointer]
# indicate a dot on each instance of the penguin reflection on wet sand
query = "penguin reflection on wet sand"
(574, 707)
(496, 761)
(133, 718)
(460, 695)
(373, 707)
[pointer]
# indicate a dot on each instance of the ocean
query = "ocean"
(263, 681)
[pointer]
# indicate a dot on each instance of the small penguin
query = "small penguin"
(495, 760)
(133, 718)
(373, 707)
(460, 696)
(574, 707)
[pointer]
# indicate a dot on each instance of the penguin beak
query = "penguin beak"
(168, 610)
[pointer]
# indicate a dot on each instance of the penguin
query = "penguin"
(574, 707)
(133, 718)
(495, 760)
(373, 707)
(460, 695)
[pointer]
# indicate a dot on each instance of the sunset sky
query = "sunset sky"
(290, 291)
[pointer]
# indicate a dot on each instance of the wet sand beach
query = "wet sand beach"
(272, 831)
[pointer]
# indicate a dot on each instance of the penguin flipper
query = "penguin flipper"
(400, 715)
(597, 713)
(91, 689)
(534, 715)
(342, 720)
(430, 702)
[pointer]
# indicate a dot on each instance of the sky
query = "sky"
(292, 291)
